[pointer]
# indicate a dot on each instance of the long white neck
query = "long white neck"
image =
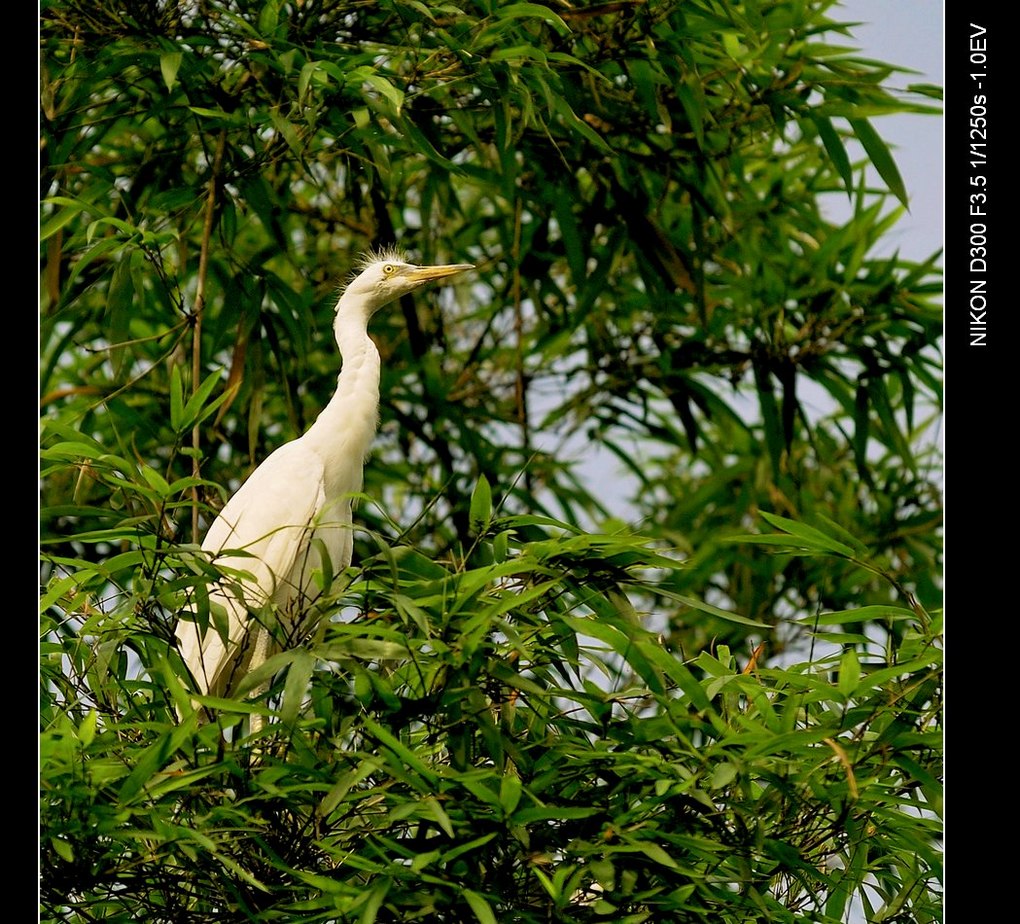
(344, 430)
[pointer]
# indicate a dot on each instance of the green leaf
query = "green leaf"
(860, 614)
(691, 96)
(657, 854)
(481, 908)
(553, 813)
(63, 217)
(704, 607)
(169, 65)
(269, 17)
(481, 505)
(156, 481)
(836, 150)
(849, 672)
(217, 114)
(532, 11)
(423, 145)
(560, 106)
(394, 95)
(434, 809)
(177, 400)
(87, 729)
(399, 749)
(881, 158)
(196, 410)
(287, 130)
(518, 52)
(510, 792)
(500, 545)
(63, 849)
(375, 900)
(345, 783)
(296, 686)
(808, 536)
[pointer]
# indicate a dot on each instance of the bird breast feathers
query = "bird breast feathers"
(270, 515)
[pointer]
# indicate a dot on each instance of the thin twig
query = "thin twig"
(521, 386)
(196, 343)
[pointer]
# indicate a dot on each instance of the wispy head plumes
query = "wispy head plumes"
(388, 254)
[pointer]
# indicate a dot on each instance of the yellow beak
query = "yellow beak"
(420, 274)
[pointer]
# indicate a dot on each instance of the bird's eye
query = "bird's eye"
(389, 269)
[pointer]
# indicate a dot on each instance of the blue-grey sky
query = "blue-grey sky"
(908, 33)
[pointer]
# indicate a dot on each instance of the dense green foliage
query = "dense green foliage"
(721, 706)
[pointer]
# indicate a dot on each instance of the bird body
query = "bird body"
(288, 528)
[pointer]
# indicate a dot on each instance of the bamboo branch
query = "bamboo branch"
(196, 343)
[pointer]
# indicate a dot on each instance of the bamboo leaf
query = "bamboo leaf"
(169, 65)
(881, 158)
(481, 908)
(481, 504)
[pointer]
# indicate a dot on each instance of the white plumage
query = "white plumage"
(296, 506)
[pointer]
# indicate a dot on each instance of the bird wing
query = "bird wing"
(268, 520)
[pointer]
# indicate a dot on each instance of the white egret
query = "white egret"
(294, 510)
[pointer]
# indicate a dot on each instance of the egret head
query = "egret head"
(384, 276)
